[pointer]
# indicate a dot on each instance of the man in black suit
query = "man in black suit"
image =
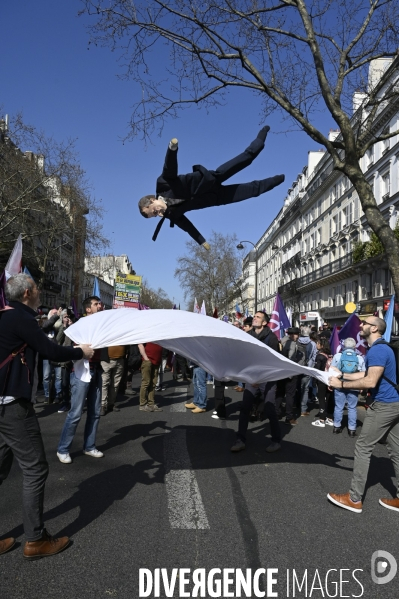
(178, 194)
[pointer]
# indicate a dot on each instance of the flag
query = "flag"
(389, 320)
(203, 309)
(334, 341)
(14, 264)
(215, 313)
(174, 307)
(96, 288)
(74, 308)
(196, 307)
(26, 272)
(3, 302)
(143, 307)
(238, 311)
(278, 319)
(225, 318)
(289, 316)
(351, 328)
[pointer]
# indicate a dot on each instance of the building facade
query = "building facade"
(311, 254)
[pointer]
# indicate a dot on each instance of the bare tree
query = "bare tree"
(154, 298)
(210, 275)
(44, 195)
(299, 56)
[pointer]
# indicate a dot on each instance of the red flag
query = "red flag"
(215, 313)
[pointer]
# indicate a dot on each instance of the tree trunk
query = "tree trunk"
(375, 219)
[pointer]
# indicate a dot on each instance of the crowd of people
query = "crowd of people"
(24, 337)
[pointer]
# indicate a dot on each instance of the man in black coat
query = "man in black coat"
(264, 393)
(178, 194)
(21, 339)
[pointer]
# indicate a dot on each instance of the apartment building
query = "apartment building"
(308, 253)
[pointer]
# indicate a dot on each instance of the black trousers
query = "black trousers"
(180, 362)
(220, 404)
(248, 400)
(216, 194)
(291, 392)
(20, 436)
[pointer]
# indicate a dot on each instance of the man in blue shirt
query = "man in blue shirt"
(382, 417)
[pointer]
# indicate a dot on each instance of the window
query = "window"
(370, 157)
(386, 186)
(348, 210)
(357, 209)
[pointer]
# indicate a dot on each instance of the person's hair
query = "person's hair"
(266, 317)
(144, 202)
(349, 343)
(247, 321)
(17, 285)
(324, 345)
(380, 324)
(313, 336)
(87, 301)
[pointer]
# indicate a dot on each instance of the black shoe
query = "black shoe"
(337, 430)
(103, 411)
(113, 409)
(351, 433)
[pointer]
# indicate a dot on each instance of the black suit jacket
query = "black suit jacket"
(185, 190)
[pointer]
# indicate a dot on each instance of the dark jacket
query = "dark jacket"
(181, 192)
(267, 337)
(19, 326)
(321, 361)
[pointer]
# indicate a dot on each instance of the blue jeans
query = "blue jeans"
(304, 392)
(341, 397)
(48, 370)
(199, 384)
(79, 392)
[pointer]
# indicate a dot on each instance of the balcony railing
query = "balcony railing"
(289, 287)
(326, 270)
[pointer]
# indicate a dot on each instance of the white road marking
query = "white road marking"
(186, 510)
(179, 392)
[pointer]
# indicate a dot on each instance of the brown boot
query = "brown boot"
(45, 546)
(6, 545)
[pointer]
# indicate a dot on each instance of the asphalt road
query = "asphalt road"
(169, 495)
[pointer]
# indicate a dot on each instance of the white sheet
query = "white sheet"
(223, 350)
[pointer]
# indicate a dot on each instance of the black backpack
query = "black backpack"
(394, 345)
(134, 360)
(302, 353)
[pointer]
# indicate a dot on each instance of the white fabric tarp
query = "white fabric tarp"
(223, 350)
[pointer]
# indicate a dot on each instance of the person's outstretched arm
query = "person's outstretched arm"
(170, 165)
(187, 226)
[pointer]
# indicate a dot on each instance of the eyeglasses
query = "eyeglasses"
(362, 322)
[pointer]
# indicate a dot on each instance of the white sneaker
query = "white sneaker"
(95, 453)
(214, 415)
(65, 458)
(319, 423)
(329, 422)
(214, 412)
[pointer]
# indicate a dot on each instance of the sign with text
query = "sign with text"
(127, 288)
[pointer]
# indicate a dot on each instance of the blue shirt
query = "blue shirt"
(381, 354)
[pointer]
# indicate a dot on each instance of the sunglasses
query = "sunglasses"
(366, 322)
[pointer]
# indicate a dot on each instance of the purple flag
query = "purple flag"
(74, 308)
(351, 328)
(334, 341)
(3, 302)
(279, 319)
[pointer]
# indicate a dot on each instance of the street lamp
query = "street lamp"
(241, 247)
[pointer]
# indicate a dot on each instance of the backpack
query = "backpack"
(349, 362)
(302, 354)
(134, 360)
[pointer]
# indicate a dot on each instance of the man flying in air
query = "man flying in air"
(178, 194)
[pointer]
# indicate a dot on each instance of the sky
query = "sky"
(70, 91)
